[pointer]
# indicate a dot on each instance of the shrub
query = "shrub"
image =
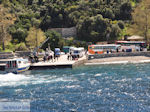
(21, 47)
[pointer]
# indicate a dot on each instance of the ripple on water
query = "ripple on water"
(11, 79)
(95, 88)
(98, 75)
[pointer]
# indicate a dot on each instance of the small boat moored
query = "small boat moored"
(17, 65)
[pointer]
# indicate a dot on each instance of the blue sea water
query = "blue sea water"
(104, 88)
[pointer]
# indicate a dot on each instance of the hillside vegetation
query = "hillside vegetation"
(95, 20)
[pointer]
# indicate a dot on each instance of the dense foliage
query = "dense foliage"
(95, 20)
(141, 20)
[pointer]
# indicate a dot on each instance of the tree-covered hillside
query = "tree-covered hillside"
(95, 20)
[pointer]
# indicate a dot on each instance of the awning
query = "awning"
(135, 37)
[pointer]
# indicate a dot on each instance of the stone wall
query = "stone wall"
(6, 55)
(69, 32)
(66, 32)
(23, 53)
(123, 54)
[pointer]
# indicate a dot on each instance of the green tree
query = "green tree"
(55, 39)
(141, 20)
(93, 29)
(34, 36)
(20, 35)
(125, 11)
(30, 2)
(36, 24)
(115, 32)
(6, 19)
(84, 14)
(121, 24)
(21, 47)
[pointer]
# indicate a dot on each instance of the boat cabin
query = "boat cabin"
(17, 65)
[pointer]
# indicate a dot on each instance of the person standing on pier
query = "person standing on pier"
(70, 55)
(35, 56)
(44, 58)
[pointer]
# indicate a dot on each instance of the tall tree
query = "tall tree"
(6, 19)
(55, 39)
(36, 24)
(34, 36)
(141, 20)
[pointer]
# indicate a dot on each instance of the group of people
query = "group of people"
(72, 57)
(48, 56)
(33, 57)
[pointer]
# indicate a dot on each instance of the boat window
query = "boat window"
(15, 63)
(10, 63)
(19, 62)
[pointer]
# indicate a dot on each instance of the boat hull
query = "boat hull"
(17, 70)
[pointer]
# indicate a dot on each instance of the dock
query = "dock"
(2, 64)
(62, 62)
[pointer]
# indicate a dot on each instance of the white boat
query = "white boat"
(17, 65)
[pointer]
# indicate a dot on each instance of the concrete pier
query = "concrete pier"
(62, 62)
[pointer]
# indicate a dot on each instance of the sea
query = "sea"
(101, 88)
